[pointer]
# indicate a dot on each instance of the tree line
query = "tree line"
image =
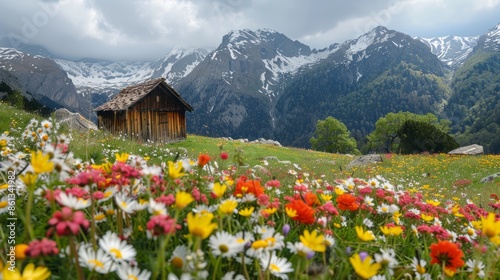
(401, 132)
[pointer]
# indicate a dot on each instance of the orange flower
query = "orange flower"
(244, 186)
(312, 199)
(203, 159)
(304, 212)
(447, 253)
(347, 202)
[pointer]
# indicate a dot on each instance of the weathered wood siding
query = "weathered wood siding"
(158, 117)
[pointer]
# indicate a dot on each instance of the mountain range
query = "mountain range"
(263, 84)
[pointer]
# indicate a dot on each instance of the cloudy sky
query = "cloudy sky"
(148, 29)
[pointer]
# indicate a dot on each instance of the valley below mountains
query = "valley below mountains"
(262, 84)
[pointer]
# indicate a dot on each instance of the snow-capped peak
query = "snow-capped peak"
(452, 50)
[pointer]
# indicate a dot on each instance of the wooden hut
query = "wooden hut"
(152, 110)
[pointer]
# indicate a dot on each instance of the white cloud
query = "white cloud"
(149, 28)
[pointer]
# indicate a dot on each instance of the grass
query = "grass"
(440, 175)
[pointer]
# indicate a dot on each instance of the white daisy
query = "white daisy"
(99, 217)
(118, 249)
(369, 200)
(72, 202)
(157, 208)
(368, 223)
(278, 267)
(127, 204)
(298, 248)
(230, 276)
(373, 183)
(97, 261)
(476, 267)
(178, 258)
(387, 259)
(126, 272)
(225, 245)
(107, 194)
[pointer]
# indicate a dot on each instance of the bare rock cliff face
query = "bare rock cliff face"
(42, 79)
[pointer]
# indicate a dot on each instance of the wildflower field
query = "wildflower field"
(94, 206)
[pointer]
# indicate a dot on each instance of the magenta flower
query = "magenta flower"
(67, 221)
(162, 224)
(44, 247)
(88, 177)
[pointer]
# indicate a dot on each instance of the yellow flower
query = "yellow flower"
(392, 231)
(456, 211)
(41, 163)
(339, 191)
(174, 171)
(476, 224)
(326, 197)
(313, 241)
(227, 206)
(219, 189)
(491, 228)
(182, 199)
(364, 235)
(364, 268)
(247, 212)
(292, 213)
(20, 250)
(29, 178)
(123, 157)
(433, 202)
(200, 224)
(270, 210)
(30, 272)
(426, 217)
(396, 216)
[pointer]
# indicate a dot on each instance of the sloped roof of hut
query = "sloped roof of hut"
(132, 94)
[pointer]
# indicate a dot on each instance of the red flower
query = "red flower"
(224, 155)
(203, 159)
(305, 213)
(244, 186)
(347, 202)
(67, 222)
(311, 199)
(447, 253)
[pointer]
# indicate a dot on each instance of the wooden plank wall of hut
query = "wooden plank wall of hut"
(112, 121)
(157, 117)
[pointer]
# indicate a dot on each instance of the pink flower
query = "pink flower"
(329, 208)
(162, 224)
(273, 183)
(167, 200)
(263, 200)
(77, 192)
(88, 177)
(44, 247)
(67, 222)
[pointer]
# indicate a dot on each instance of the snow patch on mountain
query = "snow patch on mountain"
(452, 50)
(108, 77)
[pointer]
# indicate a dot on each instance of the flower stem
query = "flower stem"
(27, 215)
(72, 249)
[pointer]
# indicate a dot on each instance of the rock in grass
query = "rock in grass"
(365, 160)
(473, 149)
(73, 120)
(490, 178)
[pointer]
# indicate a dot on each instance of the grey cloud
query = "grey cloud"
(148, 29)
